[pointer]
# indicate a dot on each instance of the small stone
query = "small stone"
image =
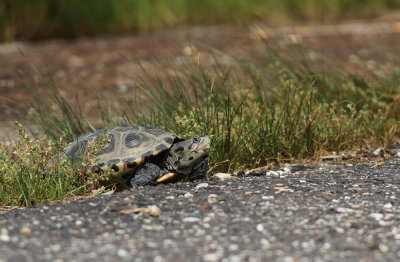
(212, 198)
(233, 247)
(327, 245)
(340, 230)
(344, 210)
(4, 238)
(267, 197)
(283, 189)
(158, 259)
(212, 257)
(377, 216)
(305, 244)
(191, 220)
(78, 222)
(119, 231)
(265, 243)
(388, 206)
(170, 197)
(377, 152)
(222, 176)
(25, 230)
(122, 253)
(55, 248)
(201, 185)
(383, 248)
(260, 228)
(273, 174)
(151, 210)
(288, 259)
(188, 195)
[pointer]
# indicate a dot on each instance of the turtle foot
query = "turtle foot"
(146, 175)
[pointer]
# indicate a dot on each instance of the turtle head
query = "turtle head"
(184, 155)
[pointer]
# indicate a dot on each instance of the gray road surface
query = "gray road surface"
(324, 214)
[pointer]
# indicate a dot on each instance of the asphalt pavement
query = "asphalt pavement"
(335, 213)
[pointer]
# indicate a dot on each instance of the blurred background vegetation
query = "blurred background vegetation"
(39, 19)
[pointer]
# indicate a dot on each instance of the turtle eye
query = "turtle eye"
(196, 139)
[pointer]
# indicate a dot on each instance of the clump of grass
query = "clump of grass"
(30, 175)
(281, 106)
(276, 108)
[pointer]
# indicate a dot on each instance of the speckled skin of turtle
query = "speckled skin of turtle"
(146, 155)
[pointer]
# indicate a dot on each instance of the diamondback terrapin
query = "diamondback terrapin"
(146, 155)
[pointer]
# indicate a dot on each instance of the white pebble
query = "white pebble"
(188, 195)
(201, 185)
(344, 210)
(233, 247)
(4, 238)
(273, 174)
(191, 219)
(377, 216)
(122, 253)
(388, 206)
(265, 243)
(222, 176)
(377, 151)
(267, 197)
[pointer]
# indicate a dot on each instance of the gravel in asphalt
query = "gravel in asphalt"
(342, 213)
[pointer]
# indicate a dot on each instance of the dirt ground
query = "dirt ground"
(108, 65)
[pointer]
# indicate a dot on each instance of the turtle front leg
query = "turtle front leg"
(146, 175)
(200, 170)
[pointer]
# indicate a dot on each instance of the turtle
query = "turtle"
(145, 155)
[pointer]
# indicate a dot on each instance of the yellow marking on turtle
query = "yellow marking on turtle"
(139, 161)
(167, 177)
(122, 168)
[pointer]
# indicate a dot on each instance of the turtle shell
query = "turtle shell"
(129, 147)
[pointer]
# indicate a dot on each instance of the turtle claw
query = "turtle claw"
(168, 177)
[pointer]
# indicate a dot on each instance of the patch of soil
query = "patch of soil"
(108, 65)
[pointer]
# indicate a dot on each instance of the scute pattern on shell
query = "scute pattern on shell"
(129, 146)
